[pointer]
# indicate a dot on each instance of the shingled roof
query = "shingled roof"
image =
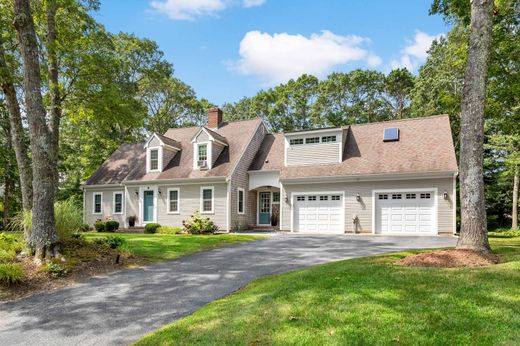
(128, 163)
(425, 145)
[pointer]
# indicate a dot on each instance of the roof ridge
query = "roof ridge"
(397, 120)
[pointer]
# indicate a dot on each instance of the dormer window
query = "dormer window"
(154, 159)
(312, 140)
(202, 159)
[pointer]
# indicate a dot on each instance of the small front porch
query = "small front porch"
(265, 208)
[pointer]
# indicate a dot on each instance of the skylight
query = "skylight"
(391, 134)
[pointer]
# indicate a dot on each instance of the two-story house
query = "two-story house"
(394, 177)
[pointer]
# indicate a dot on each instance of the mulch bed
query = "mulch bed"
(83, 259)
(450, 259)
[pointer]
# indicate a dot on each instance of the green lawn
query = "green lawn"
(160, 247)
(364, 301)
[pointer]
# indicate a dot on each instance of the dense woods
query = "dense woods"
(99, 90)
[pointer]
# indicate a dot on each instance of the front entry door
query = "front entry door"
(148, 206)
(264, 200)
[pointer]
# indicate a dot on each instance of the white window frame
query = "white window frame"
(149, 159)
(243, 201)
(94, 194)
(209, 154)
(178, 211)
(212, 188)
(114, 202)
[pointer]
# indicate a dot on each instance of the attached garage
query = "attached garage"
(405, 212)
(319, 213)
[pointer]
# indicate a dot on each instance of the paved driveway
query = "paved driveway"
(121, 307)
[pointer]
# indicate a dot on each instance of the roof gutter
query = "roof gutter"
(369, 177)
(176, 181)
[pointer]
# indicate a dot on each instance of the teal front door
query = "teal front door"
(264, 208)
(148, 206)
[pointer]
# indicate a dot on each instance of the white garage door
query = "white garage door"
(405, 213)
(319, 213)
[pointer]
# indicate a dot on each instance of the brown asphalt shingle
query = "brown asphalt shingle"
(128, 162)
(425, 145)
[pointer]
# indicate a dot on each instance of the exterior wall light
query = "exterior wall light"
(446, 195)
(137, 193)
(358, 197)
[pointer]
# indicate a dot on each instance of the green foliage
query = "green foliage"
(197, 224)
(99, 225)
(78, 236)
(151, 228)
(55, 269)
(84, 227)
(114, 241)
(10, 273)
(169, 230)
(7, 255)
(68, 217)
(111, 226)
(11, 243)
(504, 233)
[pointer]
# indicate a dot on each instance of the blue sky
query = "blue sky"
(227, 49)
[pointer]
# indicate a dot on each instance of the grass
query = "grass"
(365, 301)
(160, 247)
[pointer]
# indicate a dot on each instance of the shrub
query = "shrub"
(7, 256)
(99, 226)
(10, 273)
(151, 228)
(504, 233)
(100, 241)
(114, 241)
(169, 230)
(131, 220)
(68, 217)
(84, 228)
(56, 269)
(111, 226)
(11, 242)
(77, 235)
(199, 225)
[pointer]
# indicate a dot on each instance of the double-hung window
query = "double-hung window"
(207, 200)
(240, 201)
(118, 203)
(154, 159)
(97, 200)
(173, 200)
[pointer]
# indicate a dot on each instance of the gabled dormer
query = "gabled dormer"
(207, 146)
(323, 146)
(159, 151)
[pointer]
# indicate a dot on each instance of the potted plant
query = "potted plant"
(274, 218)
(131, 220)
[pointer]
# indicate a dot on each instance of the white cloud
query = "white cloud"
(279, 57)
(252, 3)
(416, 52)
(190, 9)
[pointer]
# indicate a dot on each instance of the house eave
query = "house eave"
(370, 177)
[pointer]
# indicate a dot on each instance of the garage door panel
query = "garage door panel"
(319, 213)
(408, 215)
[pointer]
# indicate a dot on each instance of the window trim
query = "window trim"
(309, 139)
(168, 200)
(243, 201)
(335, 140)
(114, 202)
(149, 159)
(212, 188)
(279, 197)
(94, 194)
(296, 139)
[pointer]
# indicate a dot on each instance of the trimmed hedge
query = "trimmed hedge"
(99, 226)
(151, 228)
(111, 226)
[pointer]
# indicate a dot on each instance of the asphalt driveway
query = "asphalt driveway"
(120, 308)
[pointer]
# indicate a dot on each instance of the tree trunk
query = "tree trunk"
(43, 234)
(54, 87)
(17, 133)
(514, 214)
(473, 234)
(7, 180)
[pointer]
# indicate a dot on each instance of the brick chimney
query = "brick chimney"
(214, 117)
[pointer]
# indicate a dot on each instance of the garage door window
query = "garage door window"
(396, 196)
(335, 198)
(383, 197)
(311, 198)
(410, 196)
(425, 195)
(324, 198)
(300, 198)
